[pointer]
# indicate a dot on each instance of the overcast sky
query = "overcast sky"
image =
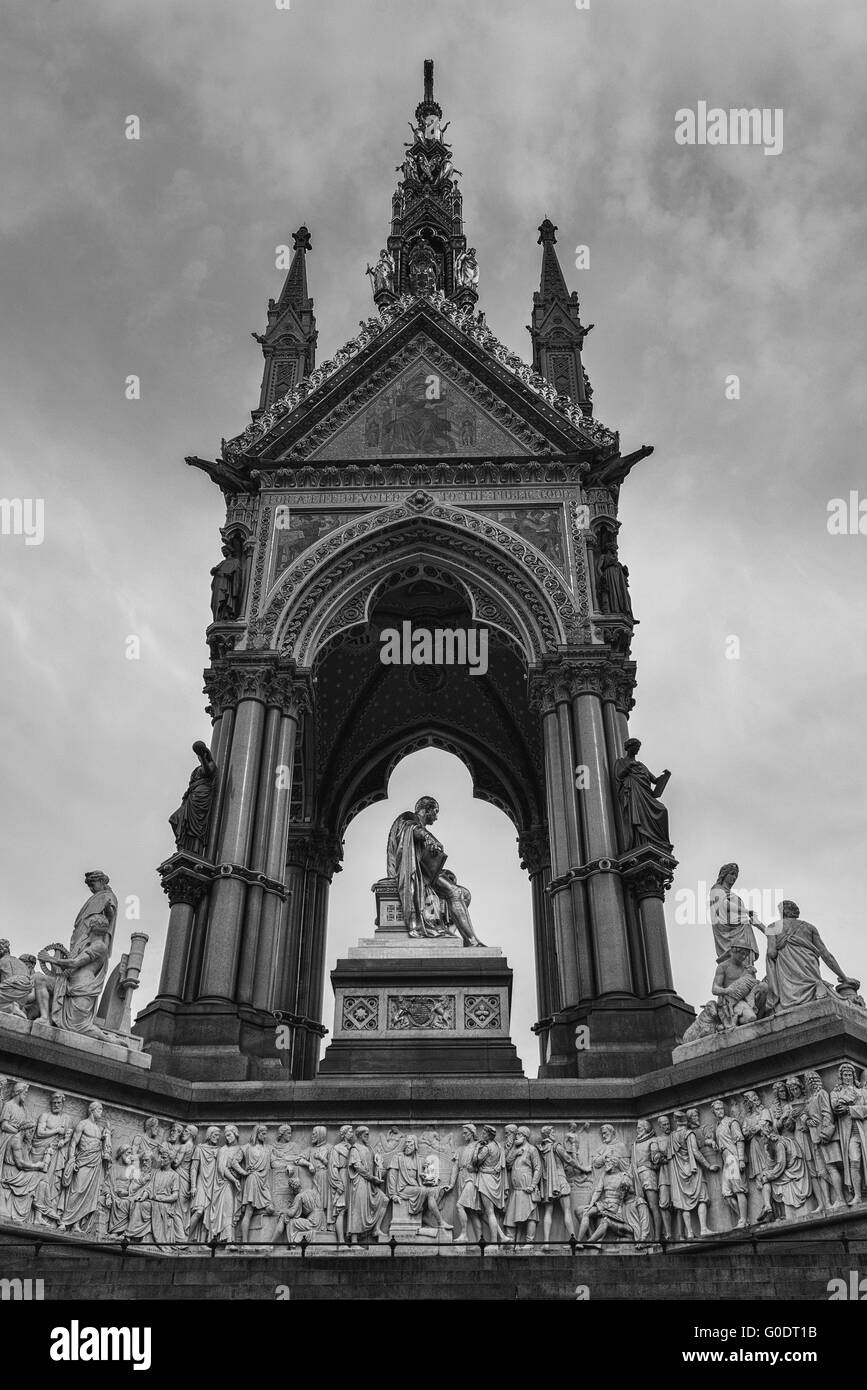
(156, 257)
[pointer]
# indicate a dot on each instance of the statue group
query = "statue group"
(794, 955)
(60, 986)
(799, 1151)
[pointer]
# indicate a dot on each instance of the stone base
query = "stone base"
(766, 1030)
(616, 1036)
(115, 1047)
(210, 1040)
(420, 1008)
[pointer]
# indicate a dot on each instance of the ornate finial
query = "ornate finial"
(547, 233)
(427, 107)
(301, 240)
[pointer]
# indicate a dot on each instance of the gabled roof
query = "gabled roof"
(421, 326)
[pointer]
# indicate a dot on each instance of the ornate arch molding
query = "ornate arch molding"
(490, 562)
(366, 781)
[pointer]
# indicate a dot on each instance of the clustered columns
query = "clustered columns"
(312, 858)
(534, 848)
(227, 911)
(609, 925)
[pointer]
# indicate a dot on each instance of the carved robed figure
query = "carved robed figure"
(431, 899)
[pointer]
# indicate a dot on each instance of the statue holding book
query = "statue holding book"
(644, 818)
(433, 902)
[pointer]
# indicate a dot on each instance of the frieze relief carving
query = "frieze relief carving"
(790, 1149)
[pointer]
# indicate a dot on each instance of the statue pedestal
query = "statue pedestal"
(421, 1006)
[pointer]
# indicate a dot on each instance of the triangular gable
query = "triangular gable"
(426, 411)
(371, 384)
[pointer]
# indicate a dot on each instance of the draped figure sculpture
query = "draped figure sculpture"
(433, 902)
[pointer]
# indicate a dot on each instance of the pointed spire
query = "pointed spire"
(556, 328)
(294, 293)
(289, 341)
(552, 284)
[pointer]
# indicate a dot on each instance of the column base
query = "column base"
(211, 1040)
(625, 1036)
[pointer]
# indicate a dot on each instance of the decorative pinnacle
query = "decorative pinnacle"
(427, 106)
(301, 240)
(547, 233)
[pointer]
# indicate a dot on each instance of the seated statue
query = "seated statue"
(741, 996)
(17, 989)
(432, 900)
(69, 992)
(795, 953)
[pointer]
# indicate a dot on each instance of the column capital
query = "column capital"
(266, 677)
(560, 679)
(186, 879)
(314, 848)
(534, 848)
(649, 871)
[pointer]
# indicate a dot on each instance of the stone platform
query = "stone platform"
(410, 1006)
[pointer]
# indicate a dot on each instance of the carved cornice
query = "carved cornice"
(385, 473)
(648, 871)
(276, 683)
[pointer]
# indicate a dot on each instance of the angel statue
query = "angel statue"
(467, 268)
(433, 902)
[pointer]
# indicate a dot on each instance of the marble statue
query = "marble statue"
(382, 274)
(795, 1109)
(686, 1169)
(101, 903)
(645, 1173)
(730, 1142)
(525, 1177)
(817, 1119)
(741, 997)
(849, 1103)
(226, 578)
(467, 269)
(224, 1210)
(464, 1186)
(660, 1157)
(610, 1144)
(51, 1140)
(70, 987)
(191, 821)
(22, 1178)
(613, 1205)
(149, 1141)
(489, 1166)
(338, 1181)
(84, 1171)
(255, 1194)
(167, 1225)
(754, 1123)
(406, 1185)
(644, 818)
(17, 989)
(731, 922)
(316, 1160)
(705, 1138)
(708, 1021)
(795, 951)
(118, 1195)
(423, 268)
(785, 1170)
(431, 900)
(302, 1217)
(554, 1186)
(203, 1172)
(366, 1202)
(183, 1165)
(13, 1115)
(580, 1166)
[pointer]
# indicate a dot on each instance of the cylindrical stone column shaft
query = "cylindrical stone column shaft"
(274, 866)
(659, 976)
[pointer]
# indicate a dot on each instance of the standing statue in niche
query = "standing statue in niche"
(226, 581)
(423, 269)
(382, 274)
(849, 1103)
(612, 578)
(191, 821)
(466, 269)
(430, 897)
(644, 819)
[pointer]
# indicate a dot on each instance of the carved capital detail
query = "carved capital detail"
(534, 849)
(277, 683)
(185, 879)
(605, 674)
